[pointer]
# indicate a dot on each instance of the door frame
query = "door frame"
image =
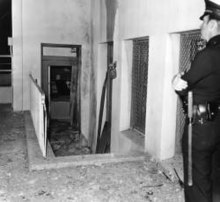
(48, 61)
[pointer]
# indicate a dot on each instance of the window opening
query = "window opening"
(139, 84)
(190, 44)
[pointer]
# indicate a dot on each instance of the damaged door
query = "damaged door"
(104, 137)
(75, 97)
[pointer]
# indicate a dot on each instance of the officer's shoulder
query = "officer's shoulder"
(207, 52)
(203, 53)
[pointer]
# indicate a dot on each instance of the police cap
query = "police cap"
(212, 9)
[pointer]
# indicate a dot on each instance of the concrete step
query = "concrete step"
(38, 162)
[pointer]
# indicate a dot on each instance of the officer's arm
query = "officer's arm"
(200, 69)
(178, 83)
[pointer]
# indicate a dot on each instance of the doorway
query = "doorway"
(59, 79)
(60, 82)
(61, 68)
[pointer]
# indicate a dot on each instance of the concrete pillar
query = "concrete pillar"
(17, 59)
(161, 99)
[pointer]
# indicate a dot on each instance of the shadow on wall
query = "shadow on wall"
(111, 8)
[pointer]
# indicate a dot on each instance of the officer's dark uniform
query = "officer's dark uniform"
(203, 80)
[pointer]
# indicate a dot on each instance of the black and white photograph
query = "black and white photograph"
(109, 101)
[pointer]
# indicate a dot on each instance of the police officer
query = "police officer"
(203, 79)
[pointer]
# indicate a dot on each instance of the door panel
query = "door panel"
(73, 97)
(70, 106)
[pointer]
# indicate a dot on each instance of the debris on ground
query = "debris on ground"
(65, 141)
(141, 181)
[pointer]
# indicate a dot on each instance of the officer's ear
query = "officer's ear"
(213, 24)
(218, 26)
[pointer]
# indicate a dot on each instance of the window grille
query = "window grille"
(139, 84)
(190, 44)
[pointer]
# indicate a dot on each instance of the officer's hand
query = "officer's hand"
(178, 83)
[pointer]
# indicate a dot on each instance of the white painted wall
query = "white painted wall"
(17, 58)
(37, 111)
(147, 17)
(159, 20)
(50, 21)
(69, 22)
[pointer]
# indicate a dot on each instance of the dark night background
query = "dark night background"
(5, 26)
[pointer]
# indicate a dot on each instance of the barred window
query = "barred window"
(190, 44)
(139, 84)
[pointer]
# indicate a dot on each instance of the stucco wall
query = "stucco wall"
(147, 17)
(160, 20)
(70, 22)
(17, 58)
(51, 21)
